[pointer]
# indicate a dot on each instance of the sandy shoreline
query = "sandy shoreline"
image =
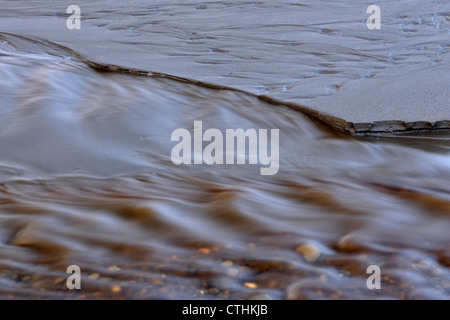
(411, 96)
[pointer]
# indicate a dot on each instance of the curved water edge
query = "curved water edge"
(87, 179)
(319, 54)
(333, 123)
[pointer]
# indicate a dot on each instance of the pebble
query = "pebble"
(94, 276)
(251, 285)
(213, 290)
(227, 263)
(116, 289)
(114, 268)
(349, 243)
(309, 251)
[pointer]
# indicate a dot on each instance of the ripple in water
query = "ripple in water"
(87, 179)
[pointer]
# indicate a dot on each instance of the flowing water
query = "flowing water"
(87, 179)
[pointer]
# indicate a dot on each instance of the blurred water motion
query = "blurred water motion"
(87, 179)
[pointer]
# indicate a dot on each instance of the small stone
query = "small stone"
(227, 263)
(251, 285)
(204, 250)
(213, 290)
(349, 243)
(116, 289)
(114, 268)
(309, 251)
(94, 276)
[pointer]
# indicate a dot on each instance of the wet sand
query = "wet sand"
(316, 53)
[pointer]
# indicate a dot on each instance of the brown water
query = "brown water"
(87, 179)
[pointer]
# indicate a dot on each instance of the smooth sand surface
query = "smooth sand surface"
(318, 55)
